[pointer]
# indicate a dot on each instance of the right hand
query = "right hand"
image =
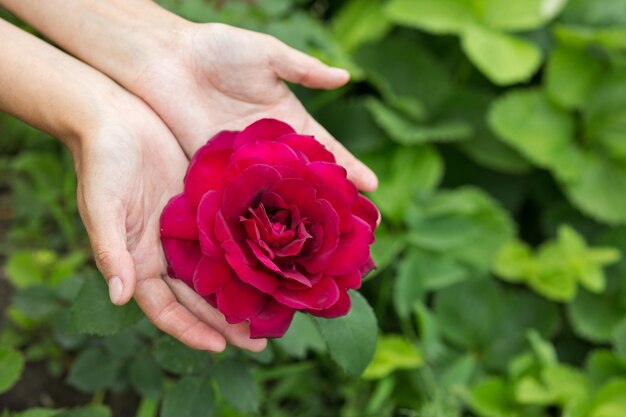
(128, 166)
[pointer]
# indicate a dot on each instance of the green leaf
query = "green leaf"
(89, 411)
(619, 339)
(610, 38)
(146, 376)
(451, 221)
(27, 268)
(480, 315)
(407, 132)
(591, 12)
(492, 398)
(420, 271)
(393, 352)
(360, 21)
(352, 338)
(11, 366)
(483, 147)
(595, 316)
(93, 370)
(190, 397)
(558, 266)
(504, 59)
(177, 358)
(237, 385)
(436, 16)
(386, 249)
(593, 192)
(571, 75)
(301, 337)
(37, 303)
(393, 72)
(518, 15)
(610, 400)
(412, 171)
(603, 366)
(38, 412)
(93, 312)
(605, 114)
(539, 130)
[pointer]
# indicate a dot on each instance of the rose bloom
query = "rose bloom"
(269, 224)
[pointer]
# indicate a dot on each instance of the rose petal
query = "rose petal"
(367, 267)
(271, 153)
(295, 276)
(340, 308)
(182, 258)
(308, 146)
(319, 297)
(205, 172)
(294, 192)
(261, 256)
(353, 249)
(365, 209)
(246, 189)
(334, 176)
(263, 280)
(223, 140)
(207, 210)
(239, 301)
(210, 276)
(339, 204)
(273, 320)
(262, 130)
(178, 219)
(351, 280)
(319, 261)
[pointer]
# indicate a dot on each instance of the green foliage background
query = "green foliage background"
(498, 131)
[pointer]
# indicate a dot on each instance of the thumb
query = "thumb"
(107, 233)
(299, 68)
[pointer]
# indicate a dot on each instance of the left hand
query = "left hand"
(214, 77)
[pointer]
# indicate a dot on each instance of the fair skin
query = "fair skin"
(198, 79)
(128, 165)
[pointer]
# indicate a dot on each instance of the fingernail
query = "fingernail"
(116, 288)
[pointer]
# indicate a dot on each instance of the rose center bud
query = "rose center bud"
(275, 233)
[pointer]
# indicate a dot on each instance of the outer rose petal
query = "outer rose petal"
(308, 146)
(366, 210)
(239, 301)
(335, 176)
(205, 172)
(339, 204)
(319, 297)
(178, 219)
(353, 249)
(262, 130)
(182, 257)
(351, 280)
(210, 276)
(273, 320)
(340, 308)
(245, 189)
(207, 210)
(223, 140)
(271, 153)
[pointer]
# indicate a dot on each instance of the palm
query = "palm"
(224, 78)
(126, 176)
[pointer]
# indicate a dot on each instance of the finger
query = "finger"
(105, 224)
(162, 308)
(236, 334)
(358, 172)
(299, 68)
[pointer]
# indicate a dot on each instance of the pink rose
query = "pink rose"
(269, 224)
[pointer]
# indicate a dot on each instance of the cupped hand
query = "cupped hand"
(128, 168)
(215, 77)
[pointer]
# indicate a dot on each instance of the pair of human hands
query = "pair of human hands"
(212, 77)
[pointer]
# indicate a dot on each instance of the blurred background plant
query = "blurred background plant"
(498, 131)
